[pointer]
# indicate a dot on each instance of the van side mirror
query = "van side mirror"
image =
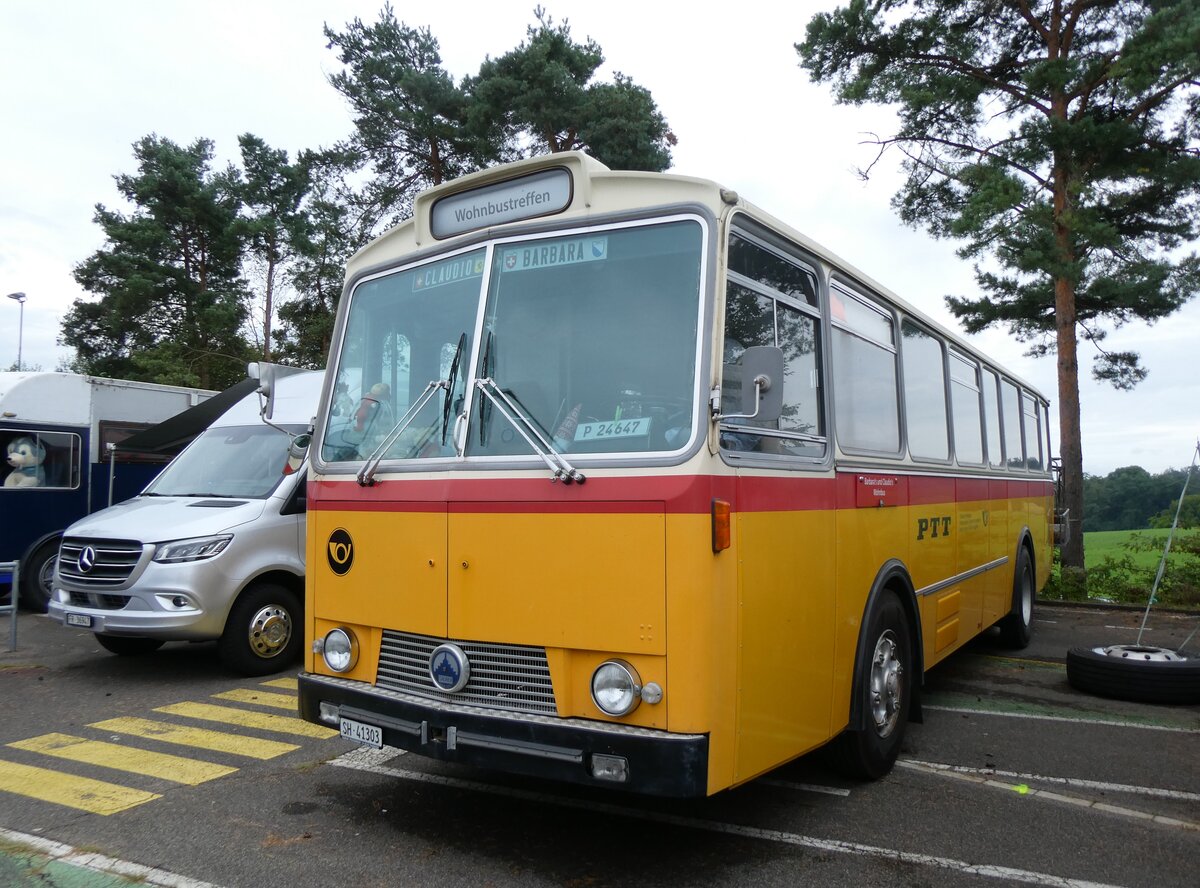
(267, 375)
(761, 369)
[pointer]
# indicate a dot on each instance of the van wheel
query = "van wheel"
(37, 577)
(1016, 629)
(263, 632)
(125, 646)
(884, 687)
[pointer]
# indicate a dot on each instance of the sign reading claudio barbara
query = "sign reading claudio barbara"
(539, 194)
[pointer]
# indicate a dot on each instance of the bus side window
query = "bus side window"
(773, 300)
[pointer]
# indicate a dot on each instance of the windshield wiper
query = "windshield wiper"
(555, 461)
(366, 475)
(485, 371)
(462, 342)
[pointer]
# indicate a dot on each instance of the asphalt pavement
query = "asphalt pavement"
(1013, 778)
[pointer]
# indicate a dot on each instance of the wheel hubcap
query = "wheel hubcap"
(1026, 598)
(270, 631)
(46, 576)
(1140, 652)
(887, 686)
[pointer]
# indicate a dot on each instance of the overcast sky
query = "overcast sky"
(81, 82)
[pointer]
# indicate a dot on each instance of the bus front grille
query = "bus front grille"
(109, 562)
(503, 676)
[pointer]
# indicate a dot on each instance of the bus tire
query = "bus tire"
(264, 632)
(37, 577)
(126, 646)
(1016, 629)
(884, 683)
(1138, 673)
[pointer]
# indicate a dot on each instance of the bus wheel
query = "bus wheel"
(1139, 673)
(263, 632)
(884, 688)
(37, 577)
(125, 646)
(1016, 629)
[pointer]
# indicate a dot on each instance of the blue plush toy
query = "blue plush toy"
(25, 455)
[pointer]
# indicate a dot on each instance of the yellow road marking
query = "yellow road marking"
(262, 698)
(217, 741)
(289, 684)
(243, 718)
(81, 793)
(175, 768)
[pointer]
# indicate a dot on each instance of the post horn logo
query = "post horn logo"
(340, 552)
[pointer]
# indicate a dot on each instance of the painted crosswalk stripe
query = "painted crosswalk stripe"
(201, 738)
(243, 718)
(262, 698)
(175, 768)
(288, 684)
(81, 793)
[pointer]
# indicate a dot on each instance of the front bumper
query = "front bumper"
(659, 763)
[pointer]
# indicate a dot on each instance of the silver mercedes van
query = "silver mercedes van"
(212, 549)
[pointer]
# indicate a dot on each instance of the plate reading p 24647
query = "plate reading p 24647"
(617, 428)
(368, 735)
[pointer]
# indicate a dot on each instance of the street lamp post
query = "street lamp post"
(20, 297)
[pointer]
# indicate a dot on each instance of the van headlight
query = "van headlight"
(196, 549)
(340, 649)
(616, 688)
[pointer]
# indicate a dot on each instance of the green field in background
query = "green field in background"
(1111, 543)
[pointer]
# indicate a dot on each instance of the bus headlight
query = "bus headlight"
(340, 650)
(616, 688)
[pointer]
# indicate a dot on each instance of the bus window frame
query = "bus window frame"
(1027, 397)
(849, 289)
(992, 461)
(753, 232)
(547, 227)
(967, 360)
(903, 385)
(1009, 464)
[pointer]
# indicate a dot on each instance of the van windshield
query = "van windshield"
(234, 461)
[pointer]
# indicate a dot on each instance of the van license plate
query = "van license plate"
(368, 735)
(84, 620)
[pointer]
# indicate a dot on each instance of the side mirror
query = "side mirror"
(267, 375)
(762, 384)
(296, 453)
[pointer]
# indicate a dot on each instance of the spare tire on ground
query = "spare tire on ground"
(1135, 672)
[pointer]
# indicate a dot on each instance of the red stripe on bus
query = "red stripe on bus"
(677, 494)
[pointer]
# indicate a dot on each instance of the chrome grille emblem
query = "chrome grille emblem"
(87, 559)
(449, 668)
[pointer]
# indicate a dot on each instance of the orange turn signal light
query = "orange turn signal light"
(720, 525)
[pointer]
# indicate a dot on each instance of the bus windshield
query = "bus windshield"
(591, 338)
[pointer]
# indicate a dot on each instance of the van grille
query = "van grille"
(503, 676)
(115, 561)
(98, 600)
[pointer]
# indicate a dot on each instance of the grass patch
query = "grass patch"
(1122, 565)
(1117, 543)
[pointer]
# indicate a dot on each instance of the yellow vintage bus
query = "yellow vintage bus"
(619, 480)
